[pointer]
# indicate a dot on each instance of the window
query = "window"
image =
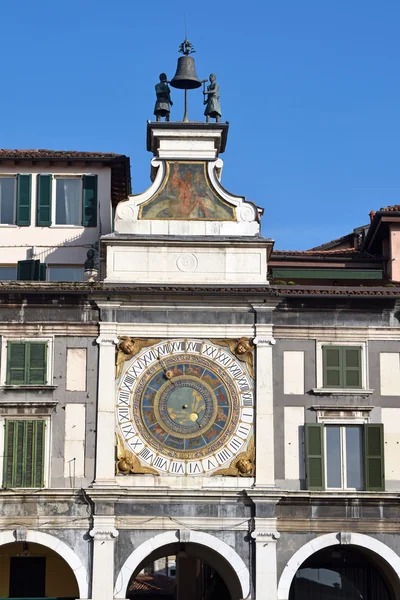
(63, 200)
(24, 453)
(26, 363)
(68, 201)
(344, 456)
(65, 273)
(15, 200)
(8, 273)
(342, 367)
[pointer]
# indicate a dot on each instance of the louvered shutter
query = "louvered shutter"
(89, 201)
(42, 271)
(36, 360)
(44, 185)
(23, 200)
(16, 362)
(351, 367)
(24, 453)
(332, 366)
(314, 448)
(374, 458)
(27, 270)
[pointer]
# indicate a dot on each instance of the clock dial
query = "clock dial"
(185, 407)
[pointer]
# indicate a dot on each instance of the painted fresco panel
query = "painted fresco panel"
(186, 194)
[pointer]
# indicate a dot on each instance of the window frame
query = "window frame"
(318, 457)
(49, 362)
(15, 178)
(320, 389)
(57, 176)
(47, 446)
(343, 455)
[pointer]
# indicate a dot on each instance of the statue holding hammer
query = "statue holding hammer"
(213, 107)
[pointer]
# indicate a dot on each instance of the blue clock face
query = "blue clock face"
(190, 413)
(186, 407)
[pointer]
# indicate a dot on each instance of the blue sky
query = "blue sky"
(311, 90)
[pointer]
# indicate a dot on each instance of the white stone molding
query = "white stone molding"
(61, 548)
(185, 330)
(127, 210)
(333, 539)
(172, 537)
(247, 212)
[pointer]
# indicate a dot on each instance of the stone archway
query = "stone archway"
(61, 548)
(225, 559)
(385, 556)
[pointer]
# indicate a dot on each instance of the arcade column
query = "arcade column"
(104, 535)
(265, 536)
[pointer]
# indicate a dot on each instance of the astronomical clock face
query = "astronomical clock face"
(185, 407)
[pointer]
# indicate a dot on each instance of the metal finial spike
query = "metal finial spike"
(186, 47)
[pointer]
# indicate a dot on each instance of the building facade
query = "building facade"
(200, 399)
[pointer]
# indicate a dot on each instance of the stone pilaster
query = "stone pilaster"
(264, 426)
(265, 536)
(104, 535)
(105, 445)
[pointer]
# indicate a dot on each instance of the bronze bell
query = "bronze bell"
(185, 77)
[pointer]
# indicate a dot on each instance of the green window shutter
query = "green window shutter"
(26, 270)
(16, 363)
(374, 458)
(351, 367)
(24, 454)
(36, 361)
(314, 448)
(332, 366)
(44, 185)
(89, 201)
(23, 200)
(42, 271)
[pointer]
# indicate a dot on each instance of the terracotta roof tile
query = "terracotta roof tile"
(35, 153)
(154, 585)
(394, 208)
(340, 252)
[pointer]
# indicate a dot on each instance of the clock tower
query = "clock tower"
(185, 405)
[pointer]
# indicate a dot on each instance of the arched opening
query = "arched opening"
(30, 570)
(186, 571)
(342, 573)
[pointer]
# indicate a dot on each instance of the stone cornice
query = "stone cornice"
(334, 333)
(11, 329)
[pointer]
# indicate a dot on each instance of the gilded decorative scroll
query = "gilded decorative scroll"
(127, 462)
(243, 465)
(243, 350)
(127, 348)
